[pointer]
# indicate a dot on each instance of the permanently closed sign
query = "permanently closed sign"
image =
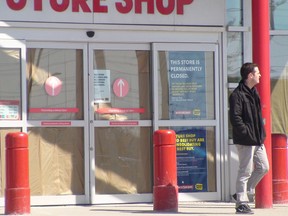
(173, 12)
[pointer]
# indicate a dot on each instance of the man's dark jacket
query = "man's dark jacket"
(245, 116)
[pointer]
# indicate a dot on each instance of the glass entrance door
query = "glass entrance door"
(186, 100)
(11, 103)
(43, 94)
(57, 105)
(120, 123)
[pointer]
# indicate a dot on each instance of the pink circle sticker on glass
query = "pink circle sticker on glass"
(53, 86)
(121, 87)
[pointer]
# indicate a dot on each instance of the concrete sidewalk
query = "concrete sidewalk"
(146, 209)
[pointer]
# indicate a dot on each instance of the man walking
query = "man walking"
(248, 135)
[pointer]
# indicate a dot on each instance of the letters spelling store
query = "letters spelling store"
(91, 81)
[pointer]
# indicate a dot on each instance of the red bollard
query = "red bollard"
(280, 168)
(165, 190)
(17, 192)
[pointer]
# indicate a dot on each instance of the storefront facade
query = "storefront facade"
(90, 81)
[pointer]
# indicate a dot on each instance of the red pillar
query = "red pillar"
(17, 191)
(165, 190)
(261, 56)
(280, 168)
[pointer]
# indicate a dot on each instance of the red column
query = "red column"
(261, 56)
(165, 190)
(280, 168)
(17, 191)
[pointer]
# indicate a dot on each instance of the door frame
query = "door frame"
(110, 198)
(67, 199)
(196, 196)
(21, 123)
(18, 44)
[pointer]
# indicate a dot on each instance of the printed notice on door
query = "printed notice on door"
(9, 110)
(191, 160)
(187, 85)
(102, 86)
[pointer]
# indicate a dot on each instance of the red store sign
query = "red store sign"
(164, 7)
(138, 12)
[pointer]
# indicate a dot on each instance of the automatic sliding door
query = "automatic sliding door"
(57, 123)
(121, 131)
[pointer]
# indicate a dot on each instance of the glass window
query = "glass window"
(56, 158)
(279, 83)
(55, 84)
(10, 84)
(234, 13)
(278, 14)
(122, 160)
(186, 85)
(121, 85)
(234, 56)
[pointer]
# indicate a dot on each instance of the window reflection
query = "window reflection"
(56, 161)
(121, 85)
(10, 103)
(279, 83)
(61, 97)
(234, 13)
(234, 55)
(122, 160)
(279, 14)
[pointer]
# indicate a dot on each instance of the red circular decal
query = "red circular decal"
(53, 86)
(121, 87)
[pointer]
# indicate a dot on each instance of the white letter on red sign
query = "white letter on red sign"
(19, 5)
(76, 4)
(150, 6)
(165, 10)
(124, 8)
(180, 5)
(59, 7)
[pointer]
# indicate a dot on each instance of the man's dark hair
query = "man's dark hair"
(246, 69)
